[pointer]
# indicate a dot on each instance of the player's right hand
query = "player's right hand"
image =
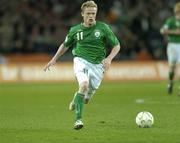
(47, 67)
(106, 63)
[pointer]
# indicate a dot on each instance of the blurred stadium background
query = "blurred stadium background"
(32, 30)
(39, 26)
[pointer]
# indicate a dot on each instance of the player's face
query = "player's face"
(89, 15)
(177, 15)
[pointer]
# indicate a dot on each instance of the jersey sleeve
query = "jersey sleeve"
(111, 39)
(69, 40)
(167, 24)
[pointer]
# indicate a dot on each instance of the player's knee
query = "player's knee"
(83, 88)
(172, 66)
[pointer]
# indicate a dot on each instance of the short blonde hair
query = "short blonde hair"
(89, 3)
(177, 7)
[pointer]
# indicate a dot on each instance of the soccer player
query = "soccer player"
(90, 60)
(171, 29)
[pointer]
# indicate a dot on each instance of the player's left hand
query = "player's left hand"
(106, 63)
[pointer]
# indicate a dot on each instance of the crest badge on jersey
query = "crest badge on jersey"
(97, 33)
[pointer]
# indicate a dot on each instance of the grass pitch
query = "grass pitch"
(38, 113)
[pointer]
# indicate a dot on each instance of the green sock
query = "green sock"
(171, 76)
(78, 105)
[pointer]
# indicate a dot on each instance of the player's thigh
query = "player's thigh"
(81, 71)
(172, 53)
(96, 76)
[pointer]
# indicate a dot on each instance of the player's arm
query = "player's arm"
(61, 50)
(114, 42)
(107, 61)
(165, 31)
(167, 28)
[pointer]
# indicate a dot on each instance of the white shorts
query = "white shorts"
(173, 53)
(86, 71)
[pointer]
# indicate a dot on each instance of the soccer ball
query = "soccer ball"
(144, 119)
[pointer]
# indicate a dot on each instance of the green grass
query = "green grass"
(38, 113)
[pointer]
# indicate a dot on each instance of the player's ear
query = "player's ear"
(82, 13)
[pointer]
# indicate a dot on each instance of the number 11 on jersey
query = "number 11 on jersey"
(79, 35)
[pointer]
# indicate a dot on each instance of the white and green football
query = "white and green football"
(144, 119)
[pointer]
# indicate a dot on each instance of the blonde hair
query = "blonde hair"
(89, 3)
(177, 7)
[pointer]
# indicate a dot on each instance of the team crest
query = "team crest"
(97, 33)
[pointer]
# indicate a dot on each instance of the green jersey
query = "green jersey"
(172, 23)
(90, 42)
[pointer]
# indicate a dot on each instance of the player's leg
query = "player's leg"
(79, 102)
(96, 75)
(79, 99)
(72, 104)
(83, 80)
(82, 87)
(82, 77)
(172, 59)
(89, 94)
(171, 77)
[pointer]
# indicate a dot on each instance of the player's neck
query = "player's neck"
(88, 24)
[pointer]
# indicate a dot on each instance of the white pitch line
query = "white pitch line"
(143, 101)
